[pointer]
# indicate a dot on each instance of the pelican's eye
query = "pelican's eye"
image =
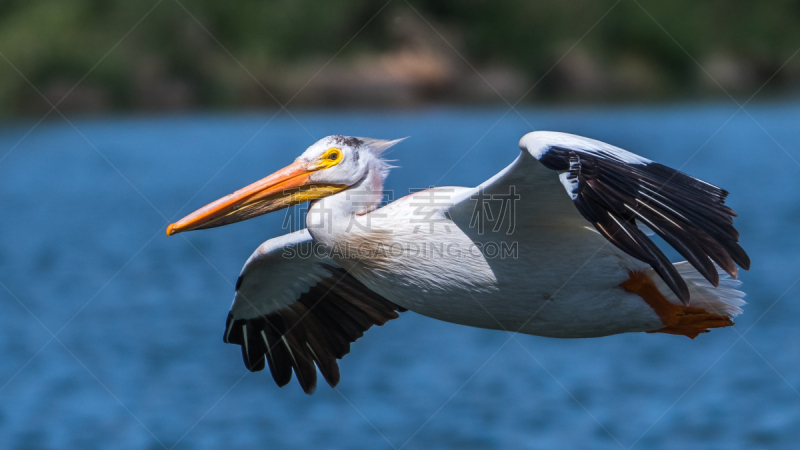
(331, 157)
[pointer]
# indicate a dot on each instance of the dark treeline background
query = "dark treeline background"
(408, 52)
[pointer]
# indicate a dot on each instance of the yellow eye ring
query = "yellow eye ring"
(331, 157)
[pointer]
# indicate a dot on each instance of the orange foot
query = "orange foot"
(688, 321)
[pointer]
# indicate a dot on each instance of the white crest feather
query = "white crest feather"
(378, 146)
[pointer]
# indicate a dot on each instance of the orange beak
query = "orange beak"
(286, 187)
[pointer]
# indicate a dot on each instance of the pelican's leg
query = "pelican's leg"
(684, 320)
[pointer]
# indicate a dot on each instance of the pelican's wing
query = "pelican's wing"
(295, 307)
(615, 191)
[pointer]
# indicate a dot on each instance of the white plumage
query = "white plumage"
(514, 253)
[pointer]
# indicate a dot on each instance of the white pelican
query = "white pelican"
(525, 251)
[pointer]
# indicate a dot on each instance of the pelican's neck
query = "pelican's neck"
(330, 219)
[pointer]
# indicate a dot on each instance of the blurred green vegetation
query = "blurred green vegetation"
(143, 54)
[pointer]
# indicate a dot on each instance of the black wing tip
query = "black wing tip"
(232, 334)
(743, 260)
(257, 364)
(281, 352)
(310, 334)
(685, 211)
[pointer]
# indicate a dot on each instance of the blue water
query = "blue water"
(139, 361)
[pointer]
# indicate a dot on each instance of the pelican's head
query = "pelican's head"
(330, 165)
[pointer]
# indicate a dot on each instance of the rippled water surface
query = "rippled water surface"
(138, 358)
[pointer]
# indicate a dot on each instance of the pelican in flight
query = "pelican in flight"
(555, 245)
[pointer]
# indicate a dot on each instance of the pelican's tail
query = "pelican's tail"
(709, 306)
(725, 299)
